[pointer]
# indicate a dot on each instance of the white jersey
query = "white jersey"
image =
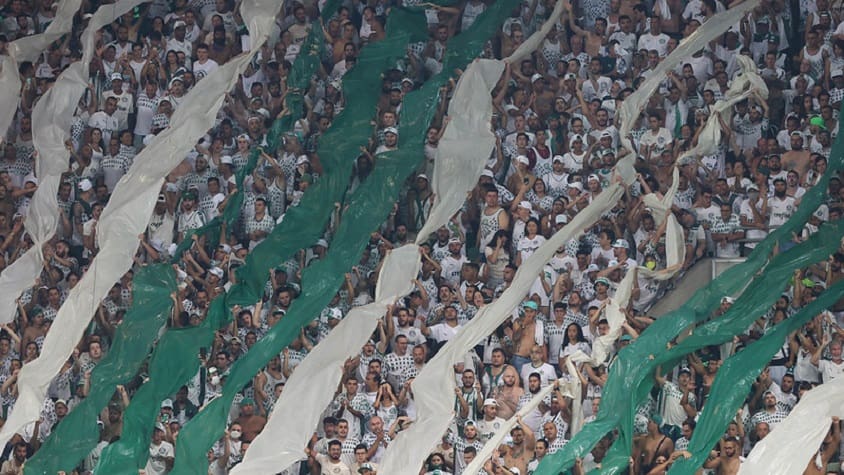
(780, 210)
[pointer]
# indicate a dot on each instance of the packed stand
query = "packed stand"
(557, 143)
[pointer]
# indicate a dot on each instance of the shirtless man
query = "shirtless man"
(520, 453)
(728, 462)
(527, 332)
(827, 449)
(508, 395)
(651, 446)
(593, 40)
(797, 158)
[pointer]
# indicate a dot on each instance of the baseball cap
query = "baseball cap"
(525, 205)
(488, 172)
(602, 280)
(818, 120)
(85, 185)
(523, 159)
(531, 304)
(179, 24)
(391, 130)
(116, 77)
(167, 404)
(535, 77)
(621, 243)
(558, 158)
(490, 402)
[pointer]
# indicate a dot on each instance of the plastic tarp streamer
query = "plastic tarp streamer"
(301, 224)
(368, 207)
(78, 432)
(406, 452)
(630, 376)
(633, 106)
(604, 344)
(495, 441)
(675, 241)
(734, 380)
(279, 445)
(298, 81)
(27, 49)
(311, 386)
(51, 121)
(791, 447)
(126, 216)
(747, 83)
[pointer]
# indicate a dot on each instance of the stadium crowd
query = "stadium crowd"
(557, 143)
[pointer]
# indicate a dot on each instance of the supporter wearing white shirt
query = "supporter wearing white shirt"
(106, 120)
(203, 66)
(833, 367)
(161, 453)
(780, 206)
(656, 139)
(125, 101)
(655, 39)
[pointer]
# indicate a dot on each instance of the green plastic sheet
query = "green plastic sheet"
(369, 206)
(631, 376)
(174, 360)
(78, 433)
(736, 376)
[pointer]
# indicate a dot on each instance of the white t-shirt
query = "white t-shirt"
(157, 454)
(780, 210)
(546, 373)
(125, 106)
(108, 124)
(830, 370)
(201, 70)
(442, 332)
(330, 468)
(661, 139)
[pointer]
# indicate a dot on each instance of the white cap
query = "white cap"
(822, 212)
(167, 403)
(490, 402)
(391, 130)
(576, 185)
(621, 243)
(837, 72)
(323, 243)
(523, 159)
(85, 185)
(558, 158)
(302, 160)
(227, 160)
(488, 172)
(561, 219)
(216, 271)
(535, 77)
(179, 24)
(594, 177)
(422, 176)
(30, 178)
(116, 77)
(525, 205)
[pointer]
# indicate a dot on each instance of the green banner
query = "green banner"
(631, 375)
(78, 433)
(303, 224)
(369, 206)
(736, 376)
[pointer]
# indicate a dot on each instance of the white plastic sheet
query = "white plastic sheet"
(495, 441)
(311, 387)
(127, 215)
(407, 451)
(602, 347)
(675, 241)
(27, 49)
(52, 118)
(794, 443)
(456, 171)
(466, 142)
(635, 103)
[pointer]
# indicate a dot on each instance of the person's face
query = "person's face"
(550, 430)
(497, 359)
(470, 432)
(20, 453)
(534, 384)
(352, 386)
(334, 452)
(95, 350)
(110, 106)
